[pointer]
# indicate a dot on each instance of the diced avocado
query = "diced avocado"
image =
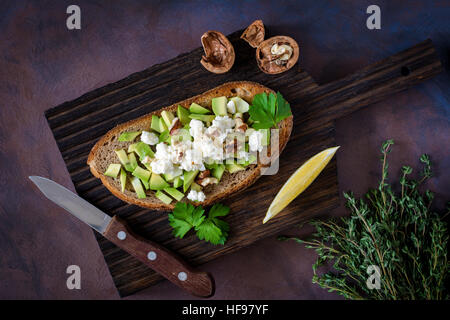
(133, 162)
(189, 177)
(251, 160)
(234, 167)
(157, 182)
(181, 135)
(155, 124)
(147, 166)
(168, 177)
(162, 125)
(129, 136)
(183, 115)
(132, 147)
(177, 182)
(218, 171)
(142, 149)
(113, 170)
(137, 185)
(168, 117)
(174, 193)
(202, 117)
(219, 106)
(123, 179)
(124, 160)
(196, 108)
(196, 187)
(163, 197)
(238, 115)
(164, 136)
(142, 174)
(241, 105)
(146, 184)
(265, 141)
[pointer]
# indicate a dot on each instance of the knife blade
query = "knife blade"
(160, 259)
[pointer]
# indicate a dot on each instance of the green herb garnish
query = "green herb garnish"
(268, 111)
(395, 231)
(209, 228)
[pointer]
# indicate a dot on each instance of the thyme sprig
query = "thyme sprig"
(395, 231)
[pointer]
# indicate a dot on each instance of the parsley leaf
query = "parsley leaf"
(185, 217)
(268, 111)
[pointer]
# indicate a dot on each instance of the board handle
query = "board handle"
(158, 258)
(370, 84)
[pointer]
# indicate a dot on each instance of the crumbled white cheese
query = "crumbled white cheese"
(196, 128)
(223, 123)
(255, 141)
(149, 138)
(231, 107)
(192, 160)
(196, 196)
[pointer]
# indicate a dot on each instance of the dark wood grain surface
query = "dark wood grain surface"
(78, 124)
(43, 64)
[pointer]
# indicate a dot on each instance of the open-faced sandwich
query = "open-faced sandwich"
(200, 150)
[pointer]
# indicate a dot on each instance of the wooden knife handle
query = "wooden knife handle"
(160, 259)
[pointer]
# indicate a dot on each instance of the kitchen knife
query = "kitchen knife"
(117, 231)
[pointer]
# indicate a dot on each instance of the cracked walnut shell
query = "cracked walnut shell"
(254, 34)
(219, 52)
(277, 54)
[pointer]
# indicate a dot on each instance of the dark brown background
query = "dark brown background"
(42, 64)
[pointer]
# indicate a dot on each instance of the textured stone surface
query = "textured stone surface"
(43, 64)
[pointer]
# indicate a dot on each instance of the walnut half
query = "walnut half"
(277, 54)
(219, 52)
(254, 34)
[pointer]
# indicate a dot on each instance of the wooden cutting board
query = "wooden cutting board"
(78, 124)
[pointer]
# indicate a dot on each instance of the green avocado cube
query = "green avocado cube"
(234, 167)
(177, 182)
(113, 170)
(219, 106)
(165, 136)
(155, 124)
(163, 197)
(242, 106)
(196, 108)
(162, 125)
(189, 177)
(168, 117)
(196, 187)
(123, 179)
(136, 183)
(124, 160)
(142, 174)
(157, 182)
(133, 161)
(183, 115)
(181, 135)
(251, 160)
(202, 117)
(129, 136)
(132, 147)
(174, 193)
(146, 184)
(142, 149)
(218, 171)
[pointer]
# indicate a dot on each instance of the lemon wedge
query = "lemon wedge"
(299, 181)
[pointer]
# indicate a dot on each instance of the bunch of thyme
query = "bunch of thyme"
(394, 231)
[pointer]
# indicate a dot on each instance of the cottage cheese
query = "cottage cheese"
(231, 107)
(196, 196)
(254, 141)
(149, 138)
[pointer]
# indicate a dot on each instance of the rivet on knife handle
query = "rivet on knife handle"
(159, 259)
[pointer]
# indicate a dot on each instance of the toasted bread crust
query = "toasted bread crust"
(245, 89)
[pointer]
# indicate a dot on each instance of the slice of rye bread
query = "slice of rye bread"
(102, 154)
